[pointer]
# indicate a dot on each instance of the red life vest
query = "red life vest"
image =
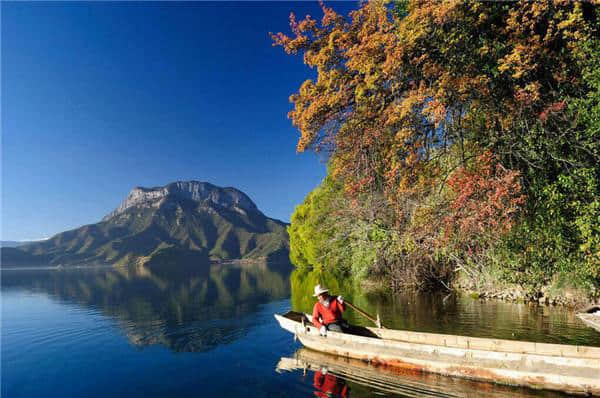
(327, 314)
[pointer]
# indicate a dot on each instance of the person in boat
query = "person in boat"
(327, 312)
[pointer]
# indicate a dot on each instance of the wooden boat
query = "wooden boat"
(591, 317)
(567, 368)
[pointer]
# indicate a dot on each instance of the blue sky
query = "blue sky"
(100, 97)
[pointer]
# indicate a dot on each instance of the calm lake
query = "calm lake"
(208, 330)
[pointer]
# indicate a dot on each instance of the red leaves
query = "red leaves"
(487, 197)
(552, 108)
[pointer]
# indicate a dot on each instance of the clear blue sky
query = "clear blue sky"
(100, 97)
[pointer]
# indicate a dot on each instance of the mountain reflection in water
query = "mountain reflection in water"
(188, 308)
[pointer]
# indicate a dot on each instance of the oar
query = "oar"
(377, 321)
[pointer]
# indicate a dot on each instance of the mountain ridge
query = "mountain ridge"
(183, 219)
(192, 190)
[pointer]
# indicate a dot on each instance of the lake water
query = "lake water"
(208, 330)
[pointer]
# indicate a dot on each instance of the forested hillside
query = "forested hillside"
(463, 144)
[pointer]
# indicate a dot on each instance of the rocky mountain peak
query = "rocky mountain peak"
(184, 190)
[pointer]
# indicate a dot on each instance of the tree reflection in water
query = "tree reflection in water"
(450, 314)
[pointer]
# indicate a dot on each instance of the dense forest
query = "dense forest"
(462, 142)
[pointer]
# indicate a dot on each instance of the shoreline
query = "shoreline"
(577, 299)
(237, 261)
(548, 295)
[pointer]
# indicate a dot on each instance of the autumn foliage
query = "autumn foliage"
(456, 113)
(485, 199)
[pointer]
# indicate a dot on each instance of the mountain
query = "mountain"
(183, 220)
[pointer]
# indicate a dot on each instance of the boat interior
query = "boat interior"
(352, 329)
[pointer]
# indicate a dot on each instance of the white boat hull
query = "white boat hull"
(573, 369)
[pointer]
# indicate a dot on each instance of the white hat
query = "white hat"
(320, 290)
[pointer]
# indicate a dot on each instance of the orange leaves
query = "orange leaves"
(519, 62)
(442, 10)
(435, 111)
(396, 91)
(543, 37)
(402, 111)
(342, 109)
(330, 17)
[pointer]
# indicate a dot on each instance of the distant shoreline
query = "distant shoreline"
(238, 261)
(56, 267)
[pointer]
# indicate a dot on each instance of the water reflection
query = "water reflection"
(326, 384)
(187, 307)
(451, 314)
(337, 377)
(51, 349)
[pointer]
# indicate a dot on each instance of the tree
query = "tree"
(402, 88)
